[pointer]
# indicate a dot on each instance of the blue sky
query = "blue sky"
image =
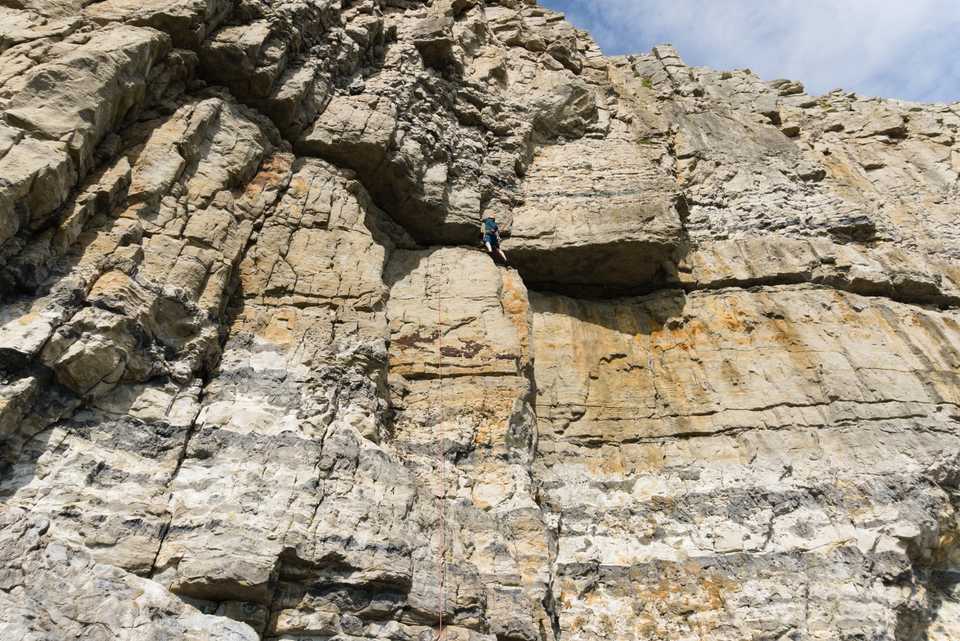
(907, 49)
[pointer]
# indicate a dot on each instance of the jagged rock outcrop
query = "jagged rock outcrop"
(52, 589)
(258, 380)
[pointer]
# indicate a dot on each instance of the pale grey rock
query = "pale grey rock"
(187, 22)
(703, 461)
(37, 177)
(61, 101)
(604, 203)
(355, 131)
(52, 589)
(254, 364)
(79, 97)
(21, 25)
(300, 95)
(246, 58)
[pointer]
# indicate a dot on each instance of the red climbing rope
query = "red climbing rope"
(442, 495)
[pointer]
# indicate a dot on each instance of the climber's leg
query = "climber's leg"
(492, 244)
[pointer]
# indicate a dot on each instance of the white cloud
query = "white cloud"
(895, 48)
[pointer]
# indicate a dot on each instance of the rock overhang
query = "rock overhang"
(601, 215)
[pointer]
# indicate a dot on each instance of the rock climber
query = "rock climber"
(491, 237)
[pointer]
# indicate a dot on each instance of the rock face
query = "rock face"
(258, 381)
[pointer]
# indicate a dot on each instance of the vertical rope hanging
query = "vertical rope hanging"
(442, 495)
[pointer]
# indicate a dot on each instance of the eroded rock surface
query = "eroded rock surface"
(258, 380)
(699, 450)
(52, 589)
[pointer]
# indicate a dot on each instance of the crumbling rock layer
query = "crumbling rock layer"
(258, 380)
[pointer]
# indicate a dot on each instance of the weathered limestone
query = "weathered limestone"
(130, 326)
(604, 203)
(697, 451)
(309, 320)
(885, 270)
(187, 22)
(460, 362)
(57, 111)
(52, 586)
(356, 131)
(258, 381)
(856, 169)
(436, 150)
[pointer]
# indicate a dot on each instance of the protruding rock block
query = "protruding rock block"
(59, 110)
(887, 270)
(599, 217)
(561, 105)
(410, 181)
(187, 22)
(300, 95)
(248, 59)
(81, 96)
(434, 40)
(356, 132)
(37, 176)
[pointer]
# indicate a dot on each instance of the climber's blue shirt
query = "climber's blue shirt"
(490, 230)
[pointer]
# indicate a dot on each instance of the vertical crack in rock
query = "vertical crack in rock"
(191, 430)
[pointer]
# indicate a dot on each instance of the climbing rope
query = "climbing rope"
(442, 495)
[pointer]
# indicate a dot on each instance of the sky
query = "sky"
(906, 49)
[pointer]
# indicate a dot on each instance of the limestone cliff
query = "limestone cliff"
(258, 380)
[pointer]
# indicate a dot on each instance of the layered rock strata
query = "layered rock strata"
(257, 380)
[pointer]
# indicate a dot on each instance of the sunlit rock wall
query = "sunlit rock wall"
(259, 381)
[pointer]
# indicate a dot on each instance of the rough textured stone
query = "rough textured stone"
(610, 205)
(258, 381)
(699, 450)
(187, 22)
(53, 588)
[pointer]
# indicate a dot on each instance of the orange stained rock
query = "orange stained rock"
(282, 327)
(274, 171)
(109, 282)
